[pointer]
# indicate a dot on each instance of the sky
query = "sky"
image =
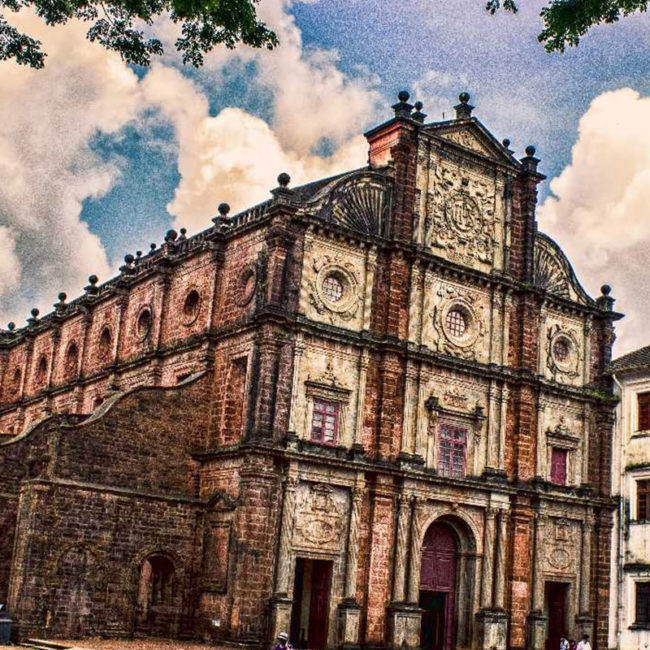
(98, 158)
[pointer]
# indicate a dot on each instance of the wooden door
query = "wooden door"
(557, 601)
(319, 604)
(438, 587)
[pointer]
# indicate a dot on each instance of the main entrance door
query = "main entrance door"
(311, 599)
(438, 587)
(557, 599)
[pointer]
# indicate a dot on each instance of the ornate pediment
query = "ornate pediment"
(472, 135)
(553, 273)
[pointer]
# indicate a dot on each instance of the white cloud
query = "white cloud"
(599, 208)
(47, 119)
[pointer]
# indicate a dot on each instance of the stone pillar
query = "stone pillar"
(417, 524)
(540, 463)
(406, 616)
(371, 268)
(537, 617)
(411, 404)
(585, 573)
(505, 396)
(349, 612)
(298, 349)
(364, 360)
(401, 553)
(500, 573)
(492, 442)
(488, 558)
(420, 438)
(281, 601)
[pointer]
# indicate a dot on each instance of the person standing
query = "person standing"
(584, 644)
(283, 642)
(564, 644)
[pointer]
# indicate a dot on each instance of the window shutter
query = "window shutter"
(643, 499)
(643, 403)
(558, 466)
(642, 603)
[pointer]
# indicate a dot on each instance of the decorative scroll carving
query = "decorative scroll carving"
(553, 273)
(467, 139)
(360, 202)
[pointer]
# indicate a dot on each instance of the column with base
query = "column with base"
(537, 617)
(349, 612)
(403, 615)
(493, 619)
(282, 601)
(584, 620)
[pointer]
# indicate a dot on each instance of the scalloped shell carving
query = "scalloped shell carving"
(548, 273)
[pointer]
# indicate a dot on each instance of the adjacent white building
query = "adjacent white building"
(630, 593)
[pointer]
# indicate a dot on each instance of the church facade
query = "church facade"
(371, 411)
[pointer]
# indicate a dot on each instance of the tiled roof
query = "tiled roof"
(637, 359)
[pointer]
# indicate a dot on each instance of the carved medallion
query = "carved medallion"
(335, 288)
(320, 519)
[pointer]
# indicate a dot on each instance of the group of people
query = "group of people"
(570, 644)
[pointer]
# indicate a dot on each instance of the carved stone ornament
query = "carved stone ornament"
(458, 322)
(335, 289)
(455, 398)
(246, 284)
(468, 140)
(461, 224)
(562, 431)
(561, 552)
(320, 520)
(562, 352)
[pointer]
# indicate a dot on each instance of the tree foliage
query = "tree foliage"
(566, 21)
(122, 26)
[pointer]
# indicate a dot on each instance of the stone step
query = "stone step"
(41, 644)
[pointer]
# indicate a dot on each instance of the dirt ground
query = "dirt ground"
(130, 644)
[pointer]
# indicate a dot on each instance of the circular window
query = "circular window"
(333, 287)
(191, 307)
(561, 350)
(144, 322)
(456, 322)
(245, 287)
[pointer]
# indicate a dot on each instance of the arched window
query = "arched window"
(144, 323)
(71, 367)
(41, 370)
(105, 345)
(155, 601)
(191, 307)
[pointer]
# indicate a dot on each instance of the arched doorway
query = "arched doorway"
(155, 607)
(438, 588)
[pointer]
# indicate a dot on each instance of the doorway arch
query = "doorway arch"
(156, 610)
(447, 584)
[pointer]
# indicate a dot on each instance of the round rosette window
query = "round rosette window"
(562, 348)
(459, 323)
(337, 288)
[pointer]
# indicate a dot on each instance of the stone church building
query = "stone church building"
(370, 411)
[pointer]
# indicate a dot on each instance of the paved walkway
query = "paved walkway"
(129, 644)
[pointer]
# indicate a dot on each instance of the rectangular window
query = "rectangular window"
(643, 405)
(643, 499)
(452, 451)
(642, 603)
(558, 466)
(325, 421)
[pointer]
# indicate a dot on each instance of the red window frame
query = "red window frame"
(643, 499)
(643, 407)
(642, 604)
(452, 450)
(325, 420)
(559, 464)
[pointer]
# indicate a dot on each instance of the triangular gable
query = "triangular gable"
(471, 134)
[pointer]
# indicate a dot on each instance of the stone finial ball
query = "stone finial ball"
(183, 231)
(463, 98)
(35, 312)
(223, 209)
(152, 246)
(62, 296)
(11, 326)
(506, 143)
(171, 235)
(418, 106)
(403, 95)
(138, 254)
(605, 290)
(530, 150)
(128, 258)
(284, 179)
(93, 279)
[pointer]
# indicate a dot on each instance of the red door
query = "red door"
(556, 601)
(438, 587)
(319, 604)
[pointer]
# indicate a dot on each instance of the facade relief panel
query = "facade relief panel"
(563, 349)
(463, 208)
